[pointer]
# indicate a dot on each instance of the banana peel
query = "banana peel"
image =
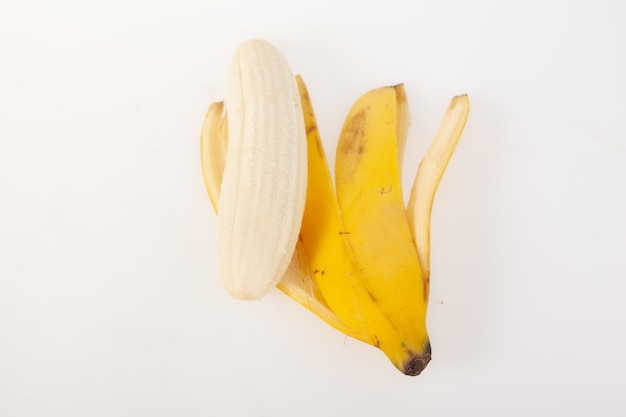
(361, 262)
(431, 170)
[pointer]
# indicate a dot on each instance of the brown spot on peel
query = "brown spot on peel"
(356, 126)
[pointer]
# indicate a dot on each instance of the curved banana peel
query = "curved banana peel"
(361, 262)
(213, 148)
(369, 191)
(429, 174)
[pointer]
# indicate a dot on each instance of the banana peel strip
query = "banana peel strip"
(429, 174)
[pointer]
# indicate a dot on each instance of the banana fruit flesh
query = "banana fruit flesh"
(263, 187)
(359, 259)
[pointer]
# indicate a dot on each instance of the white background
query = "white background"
(109, 300)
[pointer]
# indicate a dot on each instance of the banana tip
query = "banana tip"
(417, 362)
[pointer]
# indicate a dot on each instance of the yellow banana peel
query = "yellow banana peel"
(361, 262)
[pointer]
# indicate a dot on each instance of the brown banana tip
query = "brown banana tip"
(417, 362)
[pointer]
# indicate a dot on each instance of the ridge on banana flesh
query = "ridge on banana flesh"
(361, 261)
(264, 180)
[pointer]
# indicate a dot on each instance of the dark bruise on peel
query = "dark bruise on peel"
(356, 127)
(374, 299)
(311, 127)
(320, 148)
(310, 130)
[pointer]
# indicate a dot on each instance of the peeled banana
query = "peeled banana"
(263, 187)
(355, 257)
